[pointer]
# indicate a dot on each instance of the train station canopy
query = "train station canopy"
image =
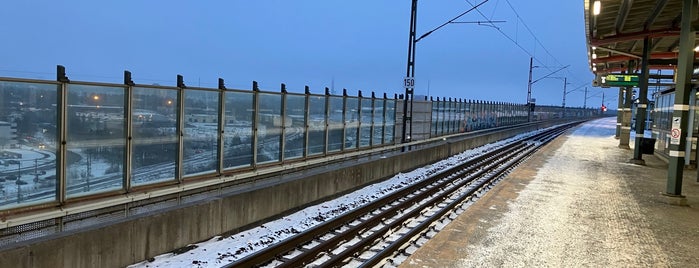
(615, 30)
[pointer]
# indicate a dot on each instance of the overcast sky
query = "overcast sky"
(358, 45)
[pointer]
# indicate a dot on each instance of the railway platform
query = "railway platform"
(578, 202)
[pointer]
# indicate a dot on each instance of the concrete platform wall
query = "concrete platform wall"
(144, 236)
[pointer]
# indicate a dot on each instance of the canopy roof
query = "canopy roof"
(615, 36)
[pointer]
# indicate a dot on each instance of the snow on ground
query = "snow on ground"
(32, 160)
(573, 213)
(219, 251)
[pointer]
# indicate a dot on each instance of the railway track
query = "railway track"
(390, 227)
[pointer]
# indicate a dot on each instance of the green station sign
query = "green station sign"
(620, 80)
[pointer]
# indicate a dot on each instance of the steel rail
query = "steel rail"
(273, 252)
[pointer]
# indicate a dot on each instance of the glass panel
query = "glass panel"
(335, 124)
(441, 118)
(444, 117)
(365, 127)
(462, 116)
(468, 117)
(450, 117)
(316, 128)
(390, 119)
(237, 134)
(435, 117)
(27, 143)
(95, 139)
(352, 122)
(378, 122)
(477, 116)
(457, 117)
(154, 132)
(200, 154)
(491, 115)
(269, 127)
(294, 126)
(447, 117)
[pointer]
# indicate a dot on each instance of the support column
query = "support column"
(642, 104)
(619, 112)
(407, 131)
(681, 108)
(626, 119)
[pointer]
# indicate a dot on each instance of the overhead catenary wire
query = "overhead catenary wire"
(531, 32)
(452, 20)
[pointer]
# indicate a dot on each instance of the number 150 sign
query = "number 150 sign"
(409, 82)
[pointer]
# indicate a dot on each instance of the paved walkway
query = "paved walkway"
(578, 202)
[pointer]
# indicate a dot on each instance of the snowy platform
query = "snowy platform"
(576, 203)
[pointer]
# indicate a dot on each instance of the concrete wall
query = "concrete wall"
(140, 237)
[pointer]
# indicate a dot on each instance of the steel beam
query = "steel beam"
(643, 102)
(634, 36)
(659, 6)
(682, 90)
(619, 115)
(624, 11)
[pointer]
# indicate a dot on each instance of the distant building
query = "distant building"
(8, 134)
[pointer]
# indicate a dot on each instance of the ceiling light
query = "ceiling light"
(594, 56)
(594, 68)
(594, 48)
(596, 8)
(696, 49)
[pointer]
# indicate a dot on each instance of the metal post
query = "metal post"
(179, 168)
(643, 101)
(221, 124)
(306, 120)
(409, 73)
(19, 182)
(690, 127)
(282, 144)
(61, 122)
(344, 120)
(383, 116)
(255, 121)
(683, 87)
(565, 84)
(626, 119)
(327, 117)
(371, 128)
(529, 90)
(128, 105)
(619, 113)
(36, 170)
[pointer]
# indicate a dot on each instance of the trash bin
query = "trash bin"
(647, 145)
